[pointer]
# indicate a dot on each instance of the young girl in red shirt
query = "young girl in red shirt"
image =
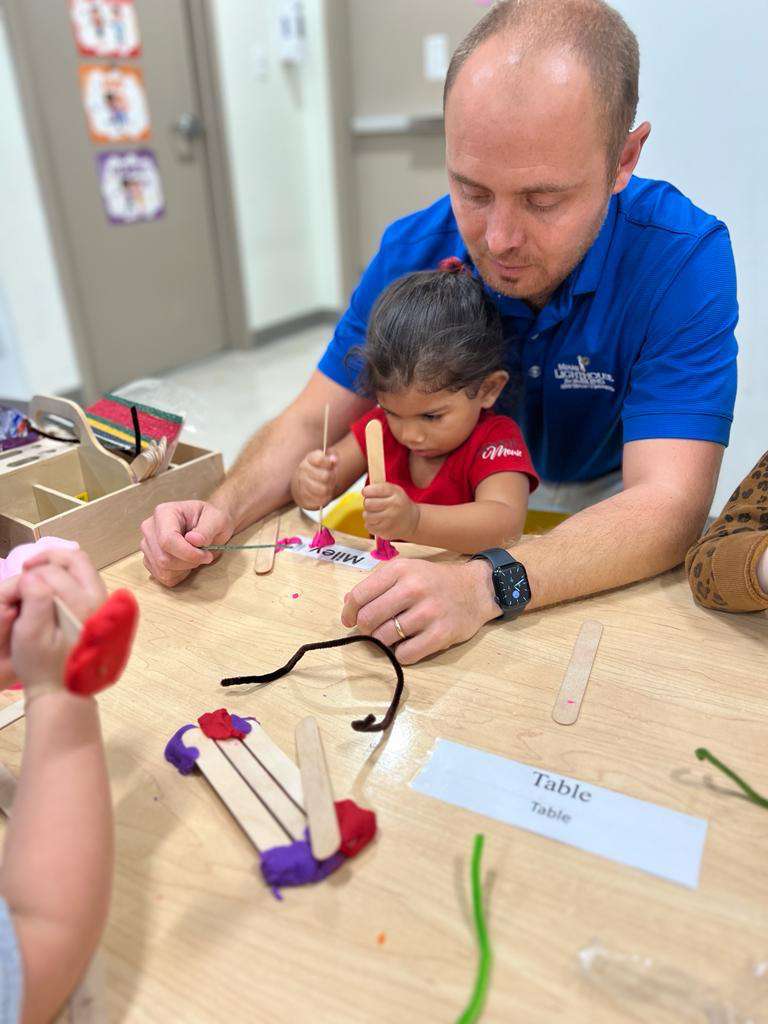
(458, 475)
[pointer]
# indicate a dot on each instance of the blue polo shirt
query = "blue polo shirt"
(637, 342)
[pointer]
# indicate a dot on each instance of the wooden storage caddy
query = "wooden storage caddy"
(39, 485)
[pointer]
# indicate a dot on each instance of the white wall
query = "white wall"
(278, 122)
(704, 88)
(36, 353)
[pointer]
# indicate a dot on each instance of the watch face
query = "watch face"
(511, 585)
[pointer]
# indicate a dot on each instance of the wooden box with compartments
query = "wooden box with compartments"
(82, 492)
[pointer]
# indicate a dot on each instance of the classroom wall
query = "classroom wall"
(704, 89)
(278, 121)
(36, 353)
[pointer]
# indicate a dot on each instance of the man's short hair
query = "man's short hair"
(591, 30)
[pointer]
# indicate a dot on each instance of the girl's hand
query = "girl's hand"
(9, 610)
(314, 482)
(39, 650)
(389, 512)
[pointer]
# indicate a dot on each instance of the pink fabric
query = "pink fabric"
(14, 563)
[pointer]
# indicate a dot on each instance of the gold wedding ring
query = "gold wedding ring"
(399, 628)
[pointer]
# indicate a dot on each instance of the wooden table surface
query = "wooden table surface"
(195, 935)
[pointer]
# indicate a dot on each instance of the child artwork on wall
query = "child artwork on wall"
(130, 186)
(105, 28)
(115, 103)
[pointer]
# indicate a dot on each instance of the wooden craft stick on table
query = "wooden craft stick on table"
(324, 833)
(265, 558)
(374, 443)
(325, 448)
(568, 703)
(12, 713)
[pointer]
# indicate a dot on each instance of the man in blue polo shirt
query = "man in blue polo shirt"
(618, 302)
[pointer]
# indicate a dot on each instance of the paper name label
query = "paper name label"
(336, 553)
(635, 832)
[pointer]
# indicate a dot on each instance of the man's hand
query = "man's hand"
(174, 534)
(314, 482)
(436, 605)
(389, 512)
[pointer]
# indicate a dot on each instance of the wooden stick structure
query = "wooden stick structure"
(253, 780)
(69, 623)
(265, 558)
(324, 832)
(568, 703)
(374, 443)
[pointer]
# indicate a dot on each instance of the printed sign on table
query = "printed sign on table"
(105, 29)
(130, 186)
(115, 103)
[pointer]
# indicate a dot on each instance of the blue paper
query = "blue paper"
(635, 832)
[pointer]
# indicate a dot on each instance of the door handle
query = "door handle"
(187, 128)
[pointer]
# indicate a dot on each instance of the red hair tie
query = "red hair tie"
(451, 265)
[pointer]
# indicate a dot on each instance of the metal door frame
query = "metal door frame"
(201, 42)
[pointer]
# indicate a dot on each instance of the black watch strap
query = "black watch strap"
(511, 588)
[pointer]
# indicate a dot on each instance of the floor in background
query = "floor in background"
(228, 396)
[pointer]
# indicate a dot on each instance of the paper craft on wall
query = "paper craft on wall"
(130, 186)
(115, 103)
(105, 29)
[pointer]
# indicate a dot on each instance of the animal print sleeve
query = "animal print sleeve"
(722, 565)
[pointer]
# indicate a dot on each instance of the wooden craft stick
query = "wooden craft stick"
(325, 448)
(7, 789)
(87, 1004)
(258, 778)
(69, 623)
(568, 703)
(265, 558)
(12, 713)
(374, 443)
(246, 808)
(324, 832)
(278, 764)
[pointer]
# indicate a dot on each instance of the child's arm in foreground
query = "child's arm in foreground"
(320, 478)
(728, 566)
(57, 862)
(494, 519)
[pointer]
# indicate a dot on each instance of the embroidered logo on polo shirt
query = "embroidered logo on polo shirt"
(577, 377)
(498, 449)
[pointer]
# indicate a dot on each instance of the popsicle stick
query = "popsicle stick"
(568, 703)
(325, 448)
(258, 778)
(87, 1004)
(374, 443)
(246, 808)
(278, 764)
(324, 833)
(7, 789)
(11, 713)
(70, 625)
(265, 558)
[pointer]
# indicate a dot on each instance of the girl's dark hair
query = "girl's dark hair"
(436, 329)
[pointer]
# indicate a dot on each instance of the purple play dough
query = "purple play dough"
(179, 755)
(295, 865)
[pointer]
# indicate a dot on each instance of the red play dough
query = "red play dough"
(357, 825)
(218, 725)
(99, 656)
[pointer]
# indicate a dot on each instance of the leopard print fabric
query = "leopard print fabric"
(722, 565)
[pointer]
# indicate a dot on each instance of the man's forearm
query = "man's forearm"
(630, 536)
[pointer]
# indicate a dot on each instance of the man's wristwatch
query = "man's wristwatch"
(511, 588)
